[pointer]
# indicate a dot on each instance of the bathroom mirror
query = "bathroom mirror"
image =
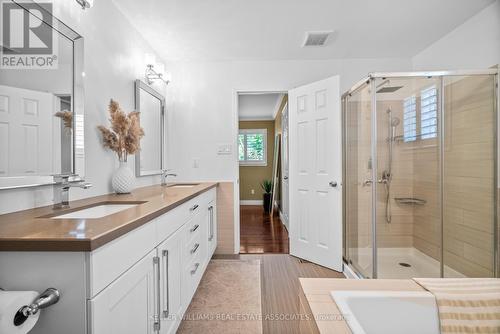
(41, 99)
(151, 105)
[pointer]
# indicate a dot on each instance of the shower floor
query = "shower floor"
(402, 263)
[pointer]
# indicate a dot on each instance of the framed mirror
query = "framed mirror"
(41, 98)
(151, 105)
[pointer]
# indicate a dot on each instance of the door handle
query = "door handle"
(156, 274)
(211, 212)
(166, 310)
(333, 184)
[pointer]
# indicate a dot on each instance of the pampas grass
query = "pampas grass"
(124, 136)
(67, 118)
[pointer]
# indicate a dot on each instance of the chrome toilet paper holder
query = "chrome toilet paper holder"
(45, 299)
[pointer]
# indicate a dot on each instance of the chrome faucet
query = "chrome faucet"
(61, 189)
(164, 174)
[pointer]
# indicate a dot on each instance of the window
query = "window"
(421, 125)
(428, 113)
(252, 147)
(410, 119)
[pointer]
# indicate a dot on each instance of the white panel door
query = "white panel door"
(285, 201)
(315, 173)
(126, 306)
(26, 130)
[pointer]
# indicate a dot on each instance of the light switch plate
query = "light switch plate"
(224, 149)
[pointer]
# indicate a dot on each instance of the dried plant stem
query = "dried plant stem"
(124, 136)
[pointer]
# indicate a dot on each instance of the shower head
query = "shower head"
(389, 89)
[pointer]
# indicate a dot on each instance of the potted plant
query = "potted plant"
(123, 138)
(267, 186)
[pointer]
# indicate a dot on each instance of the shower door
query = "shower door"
(358, 231)
(408, 187)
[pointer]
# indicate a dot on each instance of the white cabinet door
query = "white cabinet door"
(315, 173)
(170, 273)
(212, 229)
(127, 306)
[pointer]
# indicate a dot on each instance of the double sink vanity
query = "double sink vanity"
(122, 263)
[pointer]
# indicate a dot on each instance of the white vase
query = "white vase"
(123, 180)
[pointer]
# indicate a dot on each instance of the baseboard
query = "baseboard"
(251, 202)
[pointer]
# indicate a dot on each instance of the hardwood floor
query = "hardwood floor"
(281, 289)
(260, 233)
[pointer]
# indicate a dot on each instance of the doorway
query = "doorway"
(261, 172)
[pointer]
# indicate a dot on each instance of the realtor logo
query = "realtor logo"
(27, 36)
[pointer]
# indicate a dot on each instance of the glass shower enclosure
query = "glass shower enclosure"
(420, 174)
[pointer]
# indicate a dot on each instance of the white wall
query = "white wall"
(473, 45)
(201, 103)
(114, 58)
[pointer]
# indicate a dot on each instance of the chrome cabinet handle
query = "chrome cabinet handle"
(194, 207)
(285, 178)
(195, 248)
(195, 268)
(211, 210)
(166, 309)
(194, 228)
(333, 184)
(156, 316)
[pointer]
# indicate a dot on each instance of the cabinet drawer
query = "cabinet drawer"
(192, 276)
(172, 220)
(193, 247)
(193, 228)
(111, 260)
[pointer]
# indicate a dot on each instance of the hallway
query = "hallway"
(260, 233)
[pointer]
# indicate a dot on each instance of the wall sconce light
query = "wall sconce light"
(85, 3)
(152, 75)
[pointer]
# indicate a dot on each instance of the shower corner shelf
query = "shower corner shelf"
(410, 201)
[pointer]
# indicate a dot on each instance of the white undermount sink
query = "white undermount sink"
(97, 211)
(388, 312)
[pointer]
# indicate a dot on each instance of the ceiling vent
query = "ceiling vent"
(316, 38)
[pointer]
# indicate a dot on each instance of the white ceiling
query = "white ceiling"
(275, 29)
(258, 106)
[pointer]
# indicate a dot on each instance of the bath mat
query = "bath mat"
(228, 299)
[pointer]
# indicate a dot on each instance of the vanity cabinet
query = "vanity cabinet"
(152, 295)
(142, 282)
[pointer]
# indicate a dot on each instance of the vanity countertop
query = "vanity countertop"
(34, 230)
(326, 313)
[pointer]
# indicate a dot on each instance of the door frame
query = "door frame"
(236, 163)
